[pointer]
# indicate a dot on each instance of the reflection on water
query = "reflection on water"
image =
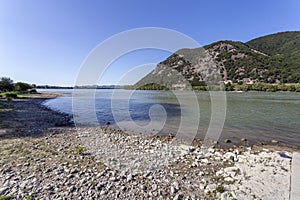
(252, 114)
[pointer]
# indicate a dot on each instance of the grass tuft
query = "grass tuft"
(79, 150)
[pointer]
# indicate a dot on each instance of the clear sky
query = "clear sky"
(46, 41)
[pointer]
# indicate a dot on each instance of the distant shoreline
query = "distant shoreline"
(260, 87)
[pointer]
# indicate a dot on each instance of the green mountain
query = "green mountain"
(279, 43)
(270, 59)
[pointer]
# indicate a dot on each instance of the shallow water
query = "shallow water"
(252, 115)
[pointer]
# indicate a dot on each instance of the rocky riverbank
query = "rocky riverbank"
(43, 157)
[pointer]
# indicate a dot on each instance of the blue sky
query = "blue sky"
(46, 41)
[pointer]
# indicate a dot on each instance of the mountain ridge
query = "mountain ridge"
(273, 59)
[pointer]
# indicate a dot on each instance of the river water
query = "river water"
(257, 116)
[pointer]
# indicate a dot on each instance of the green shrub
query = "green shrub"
(9, 95)
(259, 86)
(283, 87)
(79, 150)
(214, 87)
(229, 87)
(33, 91)
(272, 88)
(203, 88)
(19, 86)
(152, 86)
(241, 87)
(2, 197)
(28, 197)
(292, 88)
(220, 189)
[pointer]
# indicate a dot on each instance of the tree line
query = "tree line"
(9, 89)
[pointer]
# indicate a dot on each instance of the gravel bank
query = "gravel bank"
(43, 157)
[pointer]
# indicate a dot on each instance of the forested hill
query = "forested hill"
(279, 43)
(273, 58)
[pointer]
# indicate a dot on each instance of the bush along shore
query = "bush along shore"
(42, 156)
(262, 87)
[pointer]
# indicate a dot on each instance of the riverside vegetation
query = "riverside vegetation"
(10, 90)
(264, 87)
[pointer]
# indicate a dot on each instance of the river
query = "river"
(257, 116)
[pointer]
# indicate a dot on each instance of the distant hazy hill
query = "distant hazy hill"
(270, 59)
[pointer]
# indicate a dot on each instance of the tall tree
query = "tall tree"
(6, 84)
(22, 86)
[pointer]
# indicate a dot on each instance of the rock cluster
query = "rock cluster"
(254, 175)
(49, 167)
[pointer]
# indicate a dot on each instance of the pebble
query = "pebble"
(178, 197)
(173, 190)
(227, 141)
(129, 177)
(274, 141)
(3, 190)
(211, 187)
(72, 189)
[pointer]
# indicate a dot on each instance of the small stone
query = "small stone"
(227, 141)
(154, 187)
(173, 190)
(205, 160)
(47, 171)
(201, 186)
(147, 174)
(206, 191)
(72, 189)
(201, 173)
(228, 179)
(211, 150)
(230, 156)
(23, 184)
(3, 190)
(103, 192)
(48, 187)
(195, 164)
(203, 181)
(176, 185)
(211, 187)
(74, 171)
(143, 187)
(70, 176)
(220, 172)
(215, 142)
(122, 175)
(113, 179)
(178, 197)
(224, 196)
(274, 141)
(129, 177)
(123, 188)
